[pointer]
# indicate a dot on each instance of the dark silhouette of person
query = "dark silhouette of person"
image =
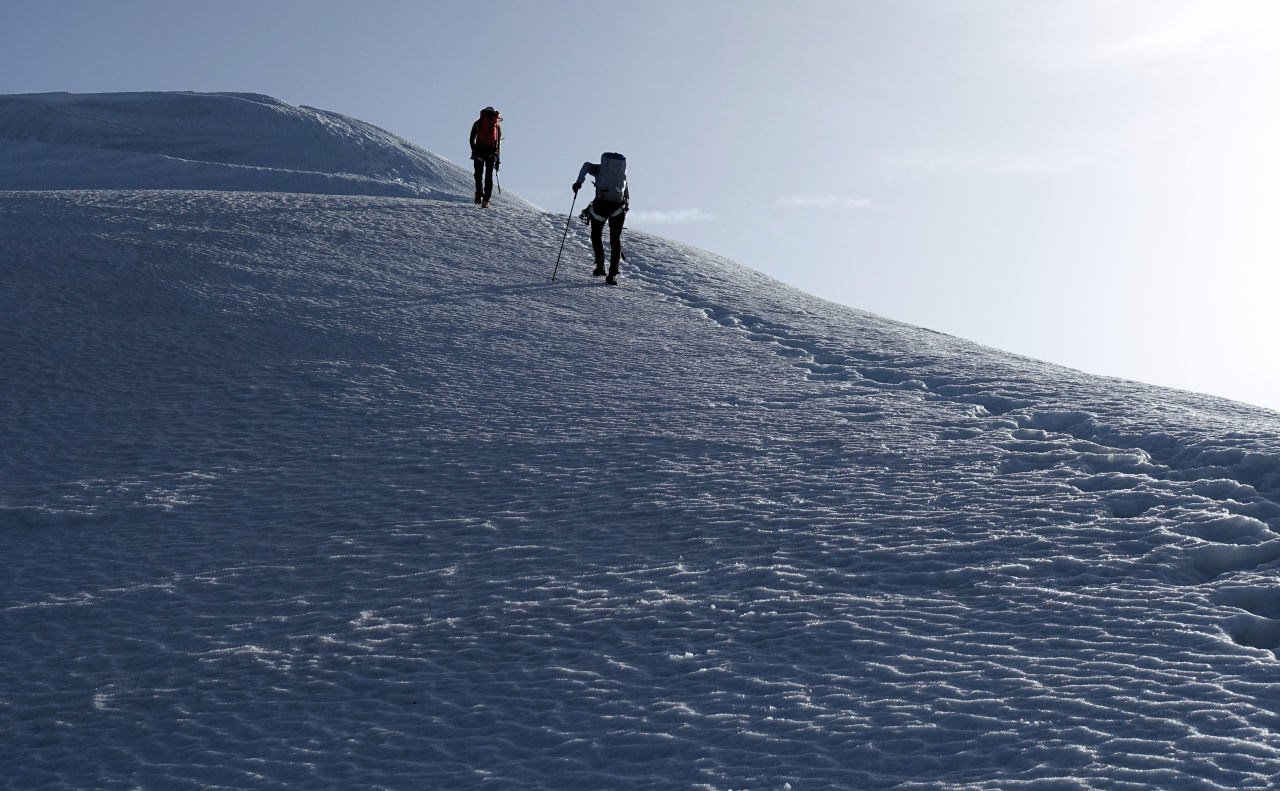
(613, 199)
(486, 151)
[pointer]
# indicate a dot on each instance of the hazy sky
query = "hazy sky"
(1090, 182)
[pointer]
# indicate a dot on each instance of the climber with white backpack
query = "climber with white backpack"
(613, 198)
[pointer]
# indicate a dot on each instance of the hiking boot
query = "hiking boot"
(612, 280)
(484, 205)
(599, 271)
(477, 200)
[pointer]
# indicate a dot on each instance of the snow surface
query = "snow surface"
(222, 141)
(339, 491)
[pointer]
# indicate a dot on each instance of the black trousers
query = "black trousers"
(615, 235)
(484, 173)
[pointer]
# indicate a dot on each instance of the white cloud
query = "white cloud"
(1179, 32)
(671, 216)
(1110, 34)
(823, 202)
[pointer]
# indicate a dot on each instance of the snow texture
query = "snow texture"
(223, 141)
(339, 491)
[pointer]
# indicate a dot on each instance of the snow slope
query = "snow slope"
(339, 491)
(223, 141)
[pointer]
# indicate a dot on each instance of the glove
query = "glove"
(576, 186)
(497, 164)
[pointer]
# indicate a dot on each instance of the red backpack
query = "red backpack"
(487, 134)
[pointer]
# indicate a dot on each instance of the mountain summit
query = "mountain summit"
(340, 491)
(222, 141)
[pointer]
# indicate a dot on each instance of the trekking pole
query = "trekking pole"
(565, 236)
(498, 181)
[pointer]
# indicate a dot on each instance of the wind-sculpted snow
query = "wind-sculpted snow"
(220, 141)
(306, 491)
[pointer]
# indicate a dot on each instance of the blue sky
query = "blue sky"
(1092, 183)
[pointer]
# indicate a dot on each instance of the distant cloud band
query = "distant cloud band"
(823, 202)
(672, 216)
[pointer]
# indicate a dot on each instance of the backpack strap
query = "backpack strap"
(622, 208)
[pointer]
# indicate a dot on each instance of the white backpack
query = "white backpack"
(611, 181)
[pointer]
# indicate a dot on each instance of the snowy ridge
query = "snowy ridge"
(1031, 410)
(340, 491)
(224, 141)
